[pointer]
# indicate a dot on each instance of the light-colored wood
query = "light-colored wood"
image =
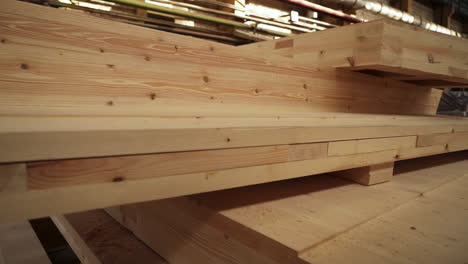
(369, 175)
(96, 238)
(383, 48)
(111, 181)
(140, 136)
(60, 63)
(20, 245)
(429, 229)
(61, 200)
(442, 139)
(287, 221)
(338, 148)
(153, 227)
(44, 175)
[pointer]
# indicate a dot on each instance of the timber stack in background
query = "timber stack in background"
(155, 127)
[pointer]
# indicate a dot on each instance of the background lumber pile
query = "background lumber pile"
(382, 48)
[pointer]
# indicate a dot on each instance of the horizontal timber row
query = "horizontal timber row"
(31, 139)
(51, 187)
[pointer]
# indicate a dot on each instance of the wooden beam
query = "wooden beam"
(368, 175)
(80, 232)
(30, 139)
(298, 220)
(197, 77)
(359, 47)
(44, 202)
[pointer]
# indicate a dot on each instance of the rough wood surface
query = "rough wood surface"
(382, 48)
(26, 139)
(55, 62)
(289, 222)
(98, 239)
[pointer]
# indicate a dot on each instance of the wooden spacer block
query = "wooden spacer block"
(368, 175)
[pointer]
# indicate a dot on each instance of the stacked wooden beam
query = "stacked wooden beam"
(382, 48)
(418, 217)
(114, 114)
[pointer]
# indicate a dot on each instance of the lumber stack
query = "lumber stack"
(382, 48)
(116, 114)
(418, 217)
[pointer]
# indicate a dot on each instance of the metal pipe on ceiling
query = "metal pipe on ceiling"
(182, 13)
(325, 10)
(398, 15)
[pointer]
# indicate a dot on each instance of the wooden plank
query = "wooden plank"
(411, 233)
(369, 175)
(441, 139)
(98, 239)
(167, 234)
(45, 202)
(338, 148)
(285, 221)
(380, 47)
(22, 141)
(20, 245)
(199, 79)
(44, 175)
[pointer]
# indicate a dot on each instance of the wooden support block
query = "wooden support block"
(368, 175)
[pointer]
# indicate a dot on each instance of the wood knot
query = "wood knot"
(413, 228)
(118, 179)
(110, 65)
(147, 58)
(101, 50)
(3, 40)
(211, 49)
(322, 52)
(228, 140)
(153, 96)
(431, 59)
(206, 79)
(304, 86)
(110, 103)
(24, 66)
(397, 156)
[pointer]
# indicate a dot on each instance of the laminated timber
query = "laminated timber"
(51, 187)
(382, 48)
(114, 114)
(419, 217)
(59, 63)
